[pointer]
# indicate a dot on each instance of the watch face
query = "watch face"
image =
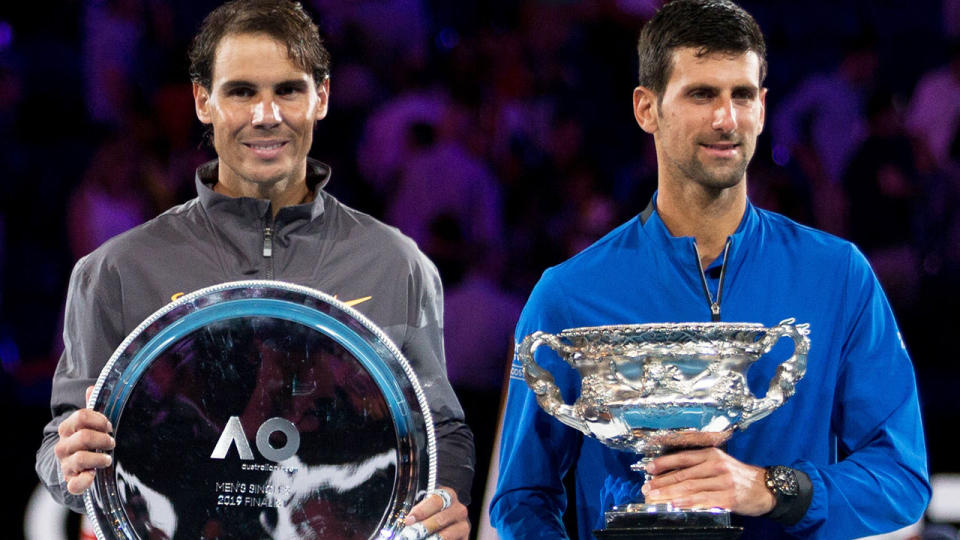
(782, 481)
(260, 410)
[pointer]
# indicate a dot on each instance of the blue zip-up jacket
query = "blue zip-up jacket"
(853, 425)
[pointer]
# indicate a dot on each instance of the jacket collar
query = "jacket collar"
(680, 248)
(318, 174)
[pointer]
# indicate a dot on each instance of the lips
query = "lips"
(266, 149)
(721, 149)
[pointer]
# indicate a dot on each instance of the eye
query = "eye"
(240, 91)
(744, 95)
(291, 89)
(701, 94)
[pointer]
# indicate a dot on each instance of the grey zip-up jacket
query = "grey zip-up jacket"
(214, 239)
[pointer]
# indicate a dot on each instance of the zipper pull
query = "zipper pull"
(267, 243)
(715, 310)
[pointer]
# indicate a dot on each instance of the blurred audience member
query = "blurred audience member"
(822, 123)
(934, 112)
(111, 199)
(774, 188)
(172, 141)
(951, 18)
(383, 146)
(823, 120)
(590, 213)
(12, 158)
(479, 317)
(3, 254)
(112, 33)
(441, 177)
(396, 31)
(883, 188)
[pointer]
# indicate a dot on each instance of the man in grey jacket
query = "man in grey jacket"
(260, 80)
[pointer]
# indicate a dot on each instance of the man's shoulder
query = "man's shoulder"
(797, 236)
(609, 250)
(142, 241)
(597, 269)
(363, 232)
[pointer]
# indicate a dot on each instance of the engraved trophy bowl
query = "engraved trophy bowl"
(260, 410)
(657, 388)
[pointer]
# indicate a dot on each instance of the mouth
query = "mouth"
(721, 149)
(266, 149)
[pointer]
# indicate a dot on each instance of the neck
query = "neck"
(280, 194)
(708, 215)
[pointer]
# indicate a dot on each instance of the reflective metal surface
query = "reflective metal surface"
(260, 410)
(654, 387)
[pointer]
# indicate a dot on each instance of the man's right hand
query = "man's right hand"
(81, 435)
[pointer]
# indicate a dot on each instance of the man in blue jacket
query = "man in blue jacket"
(848, 449)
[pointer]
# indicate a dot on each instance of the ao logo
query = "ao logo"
(233, 435)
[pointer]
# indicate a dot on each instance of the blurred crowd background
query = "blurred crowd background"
(499, 135)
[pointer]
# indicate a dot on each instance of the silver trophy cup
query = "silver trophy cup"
(656, 388)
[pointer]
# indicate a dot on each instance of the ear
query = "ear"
(323, 95)
(763, 108)
(645, 109)
(201, 101)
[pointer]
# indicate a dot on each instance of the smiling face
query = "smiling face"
(706, 123)
(263, 109)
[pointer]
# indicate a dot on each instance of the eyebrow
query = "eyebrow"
(230, 85)
(716, 89)
(746, 87)
(240, 83)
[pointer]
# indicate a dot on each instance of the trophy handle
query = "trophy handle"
(542, 382)
(783, 384)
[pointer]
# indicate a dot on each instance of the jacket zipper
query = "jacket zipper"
(268, 249)
(714, 304)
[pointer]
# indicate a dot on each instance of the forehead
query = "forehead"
(716, 69)
(254, 58)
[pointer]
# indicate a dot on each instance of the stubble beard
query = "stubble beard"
(718, 177)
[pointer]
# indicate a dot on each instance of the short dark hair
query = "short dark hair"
(283, 20)
(707, 25)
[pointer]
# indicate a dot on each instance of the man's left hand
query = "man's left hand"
(437, 522)
(708, 478)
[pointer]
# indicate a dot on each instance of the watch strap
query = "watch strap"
(793, 491)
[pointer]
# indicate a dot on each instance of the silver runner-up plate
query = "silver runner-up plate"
(260, 409)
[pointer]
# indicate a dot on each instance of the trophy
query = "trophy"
(260, 410)
(657, 388)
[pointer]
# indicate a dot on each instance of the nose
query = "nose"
(266, 113)
(725, 116)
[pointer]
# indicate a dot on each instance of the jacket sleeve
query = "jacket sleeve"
(92, 330)
(423, 346)
(881, 482)
(536, 450)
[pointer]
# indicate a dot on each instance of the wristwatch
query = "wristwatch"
(792, 490)
(782, 482)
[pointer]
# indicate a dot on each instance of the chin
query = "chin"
(726, 182)
(720, 181)
(266, 176)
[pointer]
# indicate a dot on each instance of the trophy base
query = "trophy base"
(663, 521)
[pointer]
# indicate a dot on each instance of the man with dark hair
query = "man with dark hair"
(845, 456)
(260, 81)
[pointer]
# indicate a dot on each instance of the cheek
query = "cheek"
(753, 117)
(229, 116)
(312, 105)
